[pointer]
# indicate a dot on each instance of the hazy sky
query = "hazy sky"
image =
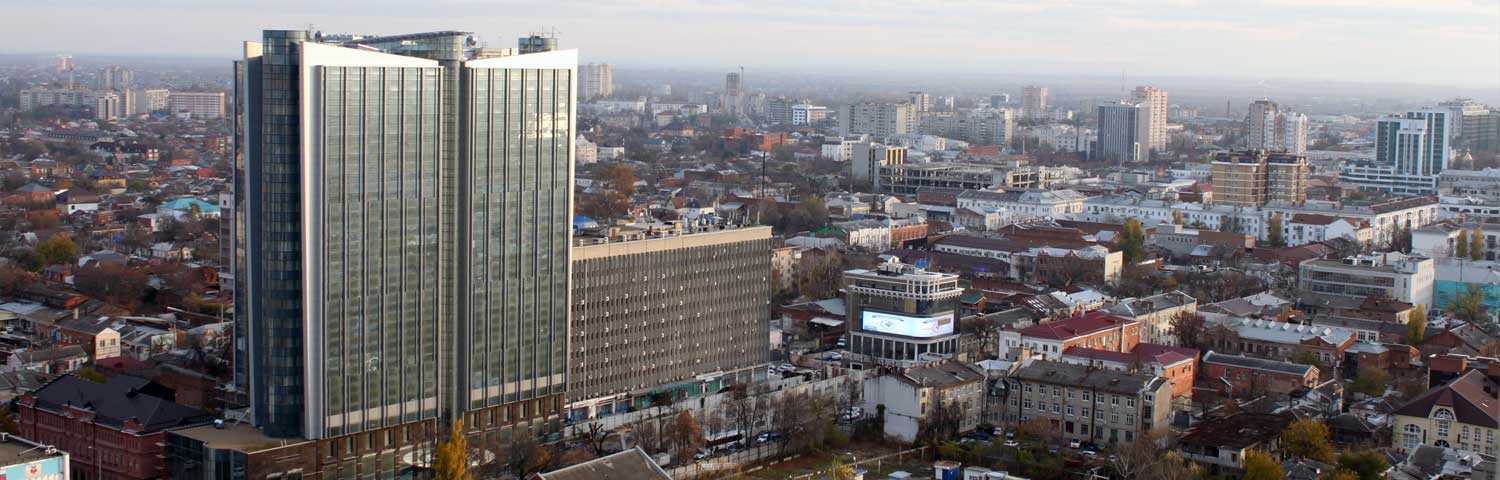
(1455, 42)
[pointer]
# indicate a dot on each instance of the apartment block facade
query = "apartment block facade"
(1087, 404)
(687, 309)
(1253, 178)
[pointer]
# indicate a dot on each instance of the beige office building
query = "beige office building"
(1153, 103)
(1253, 178)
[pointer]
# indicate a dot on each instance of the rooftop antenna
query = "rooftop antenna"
(1122, 82)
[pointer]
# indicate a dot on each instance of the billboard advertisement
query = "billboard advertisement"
(923, 327)
(51, 468)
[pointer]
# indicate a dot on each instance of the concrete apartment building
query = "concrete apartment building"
(1254, 177)
(1268, 127)
(1411, 151)
(902, 314)
(197, 104)
(1401, 277)
(909, 179)
(680, 309)
(1033, 101)
(1153, 101)
(1463, 413)
(880, 120)
(867, 158)
(910, 396)
(1121, 132)
(1088, 404)
(105, 105)
(596, 80)
(980, 127)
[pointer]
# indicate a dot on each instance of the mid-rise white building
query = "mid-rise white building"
(805, 114)
(596, 80)
(105, 105)
(1153, 101)
(1404, 278)
(585, 152)
(197, 104)
(1023, 204)
(876, 119)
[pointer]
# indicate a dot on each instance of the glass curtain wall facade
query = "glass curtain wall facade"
(515, 195)
(383, 176)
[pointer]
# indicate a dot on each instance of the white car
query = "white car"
(1074, 444)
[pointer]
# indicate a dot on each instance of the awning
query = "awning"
(827, 322)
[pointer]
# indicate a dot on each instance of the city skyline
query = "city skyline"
(1270, 40)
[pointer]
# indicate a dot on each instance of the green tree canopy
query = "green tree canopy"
(56, 250)
(1132, 241)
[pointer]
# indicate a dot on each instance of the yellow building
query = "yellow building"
(1463, 414)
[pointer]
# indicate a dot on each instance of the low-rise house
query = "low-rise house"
(1439, 463)
(1180, 241)
(1466, 339)
(1156, 314)
(1305, 228)
(1220, 444)
(910, 396)
(1097, 330)
(51, 361)
(1443, 368)
(1352, 430)
(631, 464)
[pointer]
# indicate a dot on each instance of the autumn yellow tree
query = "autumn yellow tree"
(1261, 466)
(1342, 475)
(1416, 325)
(452, 461)
(1307, 438)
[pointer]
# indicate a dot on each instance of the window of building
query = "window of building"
(1410, 436)
(1444, 421)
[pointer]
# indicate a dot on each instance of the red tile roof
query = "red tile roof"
(1078, 326)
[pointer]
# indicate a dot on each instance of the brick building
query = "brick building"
(1278, 340)
(114, 430)
(1236, 375)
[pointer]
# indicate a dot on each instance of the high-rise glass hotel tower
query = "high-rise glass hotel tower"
(402, 234)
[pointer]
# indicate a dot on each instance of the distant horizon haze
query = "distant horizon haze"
(1438, 43)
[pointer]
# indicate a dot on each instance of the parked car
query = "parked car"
(1074, 444)
(1012, 443)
